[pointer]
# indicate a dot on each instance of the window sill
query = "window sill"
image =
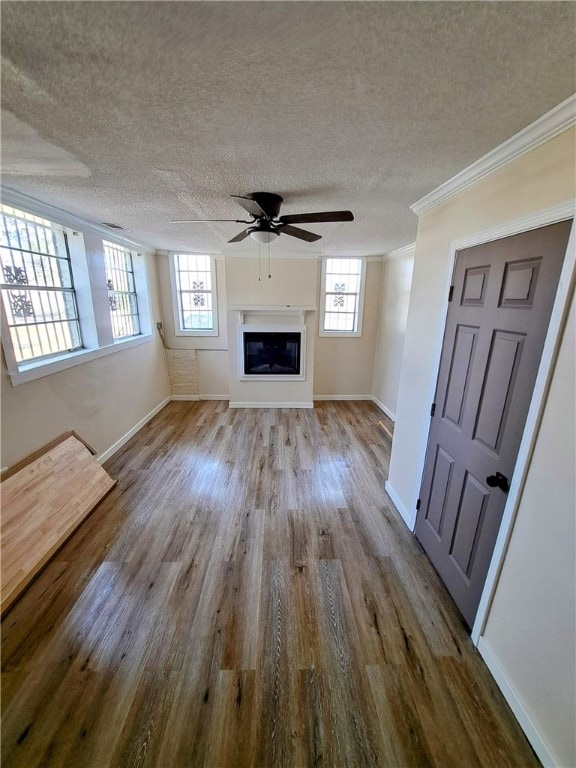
(340, 334)
(180, 332)
(30, 371)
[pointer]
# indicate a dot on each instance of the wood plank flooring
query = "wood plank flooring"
(247, 596)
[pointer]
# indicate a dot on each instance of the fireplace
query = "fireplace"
(271, 364)
(272, 353)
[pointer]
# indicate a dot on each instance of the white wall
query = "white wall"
(101, 400)
(396, 282)
(536, 181)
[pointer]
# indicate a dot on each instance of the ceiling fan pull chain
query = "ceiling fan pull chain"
(259, 262)
(269, 268)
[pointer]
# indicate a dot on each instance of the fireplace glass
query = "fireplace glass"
(272, 353)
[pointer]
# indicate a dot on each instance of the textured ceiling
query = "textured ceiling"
(138, 113)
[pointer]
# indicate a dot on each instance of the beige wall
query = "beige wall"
(531, 623)
(213, 374)
(101, 400)
(540, 179)
(396, 283)
(295, 281)
(345, 366)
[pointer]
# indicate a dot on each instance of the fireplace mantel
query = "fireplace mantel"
(283, 309)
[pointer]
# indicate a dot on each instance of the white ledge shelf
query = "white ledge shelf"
(280, 309)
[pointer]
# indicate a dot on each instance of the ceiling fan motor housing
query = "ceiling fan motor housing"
(269, 202)
(261, 226)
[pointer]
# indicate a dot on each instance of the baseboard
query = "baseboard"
(387, 411)
(124, 439)
(342, 397)
(511, 695)
(270, 405)
(194, 398)
(409, 519)
(213, 397)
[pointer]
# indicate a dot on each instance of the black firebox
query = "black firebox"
(272, 353)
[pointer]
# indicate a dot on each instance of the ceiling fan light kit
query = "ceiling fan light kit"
(267, 225)
(263, 236)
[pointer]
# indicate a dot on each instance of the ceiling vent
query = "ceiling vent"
(112, 226)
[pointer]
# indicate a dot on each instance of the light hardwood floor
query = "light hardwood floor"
(247, 596)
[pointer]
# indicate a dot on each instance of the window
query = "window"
(342, 297)
(68, 295)
(37, 286)
(194, 293)
(121, 291)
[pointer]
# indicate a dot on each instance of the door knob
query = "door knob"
(498, 481)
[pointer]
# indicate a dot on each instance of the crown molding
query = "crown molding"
(406, 250)
(66, 219)
(545, 128)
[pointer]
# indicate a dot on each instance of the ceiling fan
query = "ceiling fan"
(265, 224)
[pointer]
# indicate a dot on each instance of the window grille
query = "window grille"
(37, 286)
(195, 292)
(121, 291)
(343, 282)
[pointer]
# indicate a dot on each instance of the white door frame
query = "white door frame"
(550, 350)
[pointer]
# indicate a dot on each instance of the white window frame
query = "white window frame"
(45, 293)
(126, 252)
(359, 316)
(86, 249)
(176, 303)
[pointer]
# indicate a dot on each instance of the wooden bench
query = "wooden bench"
(44, 499)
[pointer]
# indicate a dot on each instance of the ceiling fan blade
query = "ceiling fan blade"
(301, 234)
(250, 205)
(240, 236)
(200, 221)
(310, 218)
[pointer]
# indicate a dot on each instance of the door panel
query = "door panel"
(498, 388)
(495, 330)
(459, 375)
(475, 282)
(520, 281)
(439, 492)
(466, 534)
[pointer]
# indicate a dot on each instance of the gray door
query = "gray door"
(497, 321)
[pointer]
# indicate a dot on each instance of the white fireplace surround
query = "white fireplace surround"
(271, 390)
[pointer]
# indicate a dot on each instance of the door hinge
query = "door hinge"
(432, 409)
(418, 502)
(451, 293)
